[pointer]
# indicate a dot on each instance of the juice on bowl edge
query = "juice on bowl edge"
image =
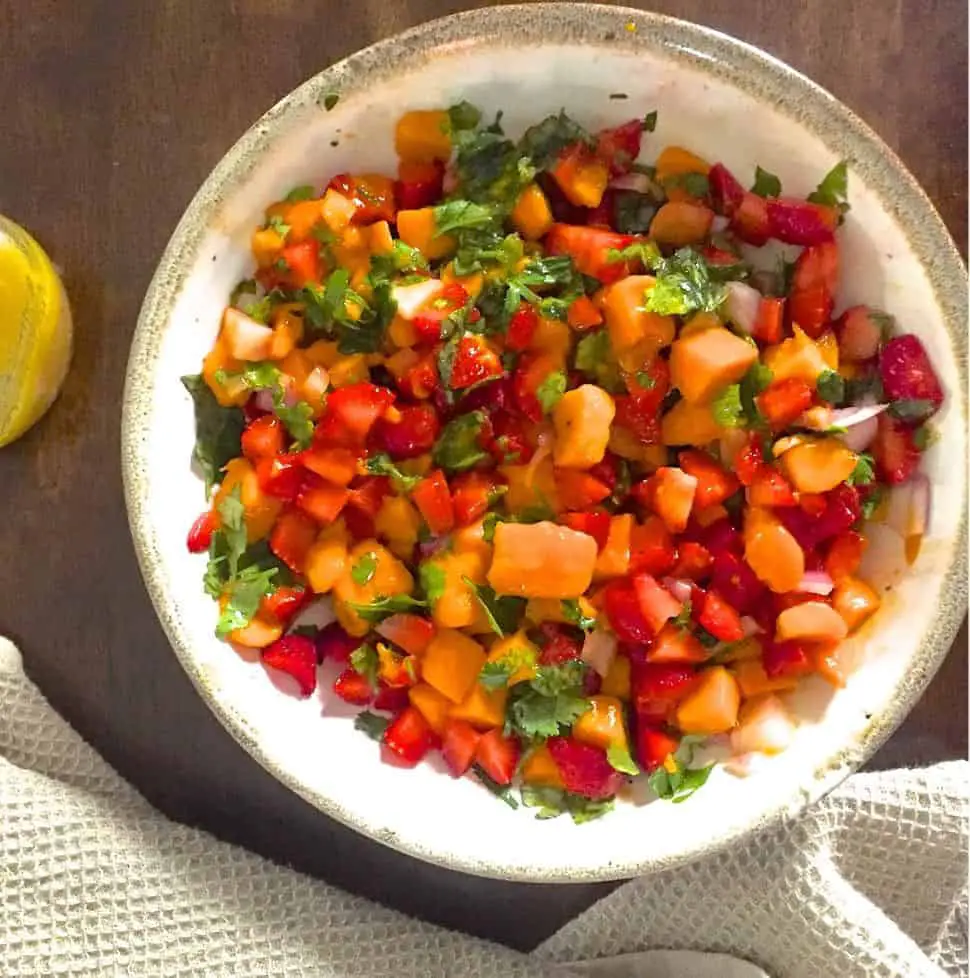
(35, 332)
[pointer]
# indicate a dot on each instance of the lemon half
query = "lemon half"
(35, 332)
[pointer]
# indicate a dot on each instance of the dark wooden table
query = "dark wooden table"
(113, 115)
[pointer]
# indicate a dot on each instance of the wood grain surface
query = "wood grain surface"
(113, 115)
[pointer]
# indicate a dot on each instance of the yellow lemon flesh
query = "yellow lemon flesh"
(35, 332)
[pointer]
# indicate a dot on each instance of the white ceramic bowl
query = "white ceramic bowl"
(726, 101)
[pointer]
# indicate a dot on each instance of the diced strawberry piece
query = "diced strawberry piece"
(589, 248)
(814, 281)
(620, 146)
(475, 362)
(433, 500)
(530, 373)
(657, 604)
(498, 756)
(801, 525)
(623, 612)
(784, 401)
(843, 509)
(428, 319)
(844, 554)
(281, 476)
(297, 656)
(421, 380)
(800, 222)
(419, 184)
(769, 322)
(714, 482)
(303, 263)
(336, 465)
(584, 769)
(579, 490)
(408, 738)
(471, 494)
(694, 561)
(606, 470)
(594, 523)
(894, 450)
(558, 645)
(733, 578)
(750, 220)
(200, 534)
(785, 659)
(770, 488)
(263, 437)
(284, 603)
(636, 414)
(354, 688)
(332, 642)
(654, 746)
(504, 437)
(749, 460)
(727, 194)
(812, 502)
(601, 216)
(409, 632)
(391, 699)
(860, 332)
(907, 373)
(459, 743)
(658, 688)
(716, 616)
(292, 536)
(721, 537)
(582, 312)
(355, 409)
(651, 548)
(810, 309)
(322, 501)
(675, 645)
(522, 327)
(367, 493)
(412, 434)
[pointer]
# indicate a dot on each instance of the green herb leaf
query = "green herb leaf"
(695, 184)
(683, 285)
(330, 100)
(277, 224)
(489, 523)
(432, 577)
(463, 115)
(381, 464)
(457, 447)
(873, 501)
(833, 191)
(679, 785)
(303, 192)
(923, 437)
(594, 357)
(402, 259)
(864, 471)
(727, 408)
(503, 614)
(911, 409)
(756, 380)
(551, 802)
(454, 215)
(363, 570)
(620, 760)
(553, 700)
(495, 675)
(649, 123)
(550, 391)
(383, 606)
(830, 387)
(766, 184)
(218, 430)
(544, 142)
(244, 592)
(502, 791)
(372, 724)
(573, 614)
(684, 617)
(365, 662)
(633, 212)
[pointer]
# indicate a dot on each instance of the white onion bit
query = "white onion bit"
(742, 305)
(679, 589)
(599, 650)
(816, 582)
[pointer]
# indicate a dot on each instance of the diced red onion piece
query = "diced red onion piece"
(750, 627)
(599, 650)
(639, 182)
(679, 589)
(860, 423)
(720, 223)
(816, 582)
(742, 305)
(860, 436)
(264, 400)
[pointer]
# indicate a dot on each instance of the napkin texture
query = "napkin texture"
(94, 881)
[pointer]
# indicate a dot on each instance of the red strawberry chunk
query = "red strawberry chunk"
(522, 327)
(295, 655)
(726, 192)
(894, 450)
(907, 373)
(734, 579)
(623, 612)
(354, 688)
(332, 642)
(659, 687)
(800, 222)
(391, 699)
(475, 361)
(860, 333)
(200, 534)
(458, 747)
(594, 523)
(785, 659)
(651, 548)
(498, 756)
(584, 769)
(654, 746)
(716, 616)
(619, 147)
(412, 434)
(408, 738)
(558, 646)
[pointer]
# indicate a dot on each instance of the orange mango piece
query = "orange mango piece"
(603, 724)
(540, 770)
(704, 363)
(390, 577)
(418, 229)
(423, 135)
(451, 664)
(482, 708)
(259, 509)
(753, 680)
(614, 558)
(674, 161)
(263, 630)
(582, 420)
(541, 560)
(773, 553)
(434, 707)
(219, 360)
(681, 222)
(818, 464)
(811, 621)
(532, 215)
(518, 649)
(689, 424)
(712, 707)
(626, 319)
(855, 601)
(617, 681)
(457, 607)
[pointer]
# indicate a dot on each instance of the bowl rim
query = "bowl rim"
(611, 28)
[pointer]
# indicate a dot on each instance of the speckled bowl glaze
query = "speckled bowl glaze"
(725, 100)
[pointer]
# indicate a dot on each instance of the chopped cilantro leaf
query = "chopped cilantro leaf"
(553, 700)
(873, 501)
(488, 526)
(765, 184)
(684, 616)
(401, 259)
(218, 430)
(683, 285)
(573, 613)
(503, 613)
(727, 408)
(833, 191)
(381, 464)
(620, 760)
(244, 592)
(830, 387)
(363, 570)
(303, 192)
(371, 724)
(550, 392)
(594, 357)
(543, 142)
(383, 606)
(455, 215)
(502, 791)
(551, 802)
(649, 123)
(864, 471)
(432, 577)
(457, 446)
(752, 384)
(678, 785)
(365, 661)
(911, 409)
(495, 675)
(277, 224)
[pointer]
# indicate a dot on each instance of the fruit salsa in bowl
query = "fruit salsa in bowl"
(582, 454)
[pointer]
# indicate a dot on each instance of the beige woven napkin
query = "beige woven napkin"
(94, 881)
